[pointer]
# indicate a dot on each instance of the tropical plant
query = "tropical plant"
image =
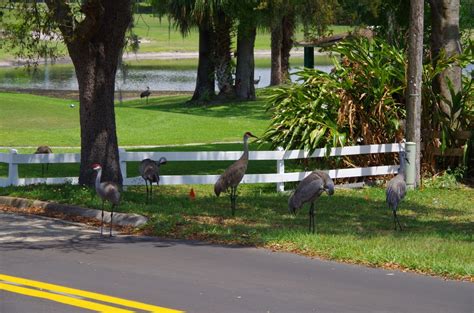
(359, 101)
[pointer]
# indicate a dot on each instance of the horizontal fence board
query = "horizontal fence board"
(4, 157)
(47, 158)
(4, 182)
(50, 180)
(266, 178)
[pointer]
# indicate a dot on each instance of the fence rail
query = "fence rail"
(13, 159)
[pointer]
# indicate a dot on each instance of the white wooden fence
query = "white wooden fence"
(279, 177)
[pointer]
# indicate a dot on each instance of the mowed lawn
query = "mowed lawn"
(29, 120)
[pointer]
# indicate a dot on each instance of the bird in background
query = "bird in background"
(233, 175)
(192, 194)
(257, 81)
(309, 190)
(145, 94)
(44, 150)
(107, 191)
(396, 189)
(150, 172)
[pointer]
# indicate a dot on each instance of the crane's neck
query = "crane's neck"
(246, 148)
(401, 169)
(98, 177)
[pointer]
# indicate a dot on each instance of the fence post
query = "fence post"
(410, 149)
(13, 169)
(123, 164)
(280, 170)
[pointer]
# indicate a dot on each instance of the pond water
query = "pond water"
(61, 77)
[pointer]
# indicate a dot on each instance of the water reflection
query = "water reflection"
(61, 77)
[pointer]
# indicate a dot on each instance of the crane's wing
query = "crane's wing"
(396, 190)
(308, 189)
(231, 177)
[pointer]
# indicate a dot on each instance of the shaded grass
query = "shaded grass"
(352, 226)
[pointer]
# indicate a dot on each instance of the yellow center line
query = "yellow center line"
(63, 299)
(87, 294)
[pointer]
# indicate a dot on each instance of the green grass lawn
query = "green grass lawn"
(352, 226)
(29, 120)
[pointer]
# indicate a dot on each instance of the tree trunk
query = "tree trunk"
(276, 49)
(244, 76)
(288, 27)
(95, 58)
(415, 68)
(224, 79)
(205, 81)
(445, 37)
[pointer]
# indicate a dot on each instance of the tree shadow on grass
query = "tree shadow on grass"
(253, 110)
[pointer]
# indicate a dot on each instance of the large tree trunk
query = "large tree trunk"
(205, 81)
(288, 28)
(445, 37)
(244, 76)
(95, 46)
(224, 79)
(276, 49)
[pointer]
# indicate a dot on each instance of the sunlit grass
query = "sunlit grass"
(29, 120)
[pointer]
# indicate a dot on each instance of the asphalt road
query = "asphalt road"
(197, 277)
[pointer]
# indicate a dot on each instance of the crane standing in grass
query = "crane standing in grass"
(107, 191)
(150, 171)
(396, 189)
(145, 94)
(309, 190)
(233, 175)
(43, 150)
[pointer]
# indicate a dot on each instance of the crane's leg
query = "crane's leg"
(312, 228)
(102, 220)
(42, 170)
(233, 196)
(111, 219)
(396, 221)
(146, 186)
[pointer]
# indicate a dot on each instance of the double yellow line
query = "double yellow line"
(71, 296)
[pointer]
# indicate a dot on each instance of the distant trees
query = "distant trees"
(94, 34)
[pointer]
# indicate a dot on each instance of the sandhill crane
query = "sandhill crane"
(257, 81)
(234, 174)
(107, 191)
(43, 150)
(396, 189)
(309, 190)
(150, 171)
(146, 94)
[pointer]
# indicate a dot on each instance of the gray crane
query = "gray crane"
(43, 150)
(107, 191)
(145, 94)
(309, 190)
(233, 175)
(257, 81)
(396, 189)
(150, 171)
